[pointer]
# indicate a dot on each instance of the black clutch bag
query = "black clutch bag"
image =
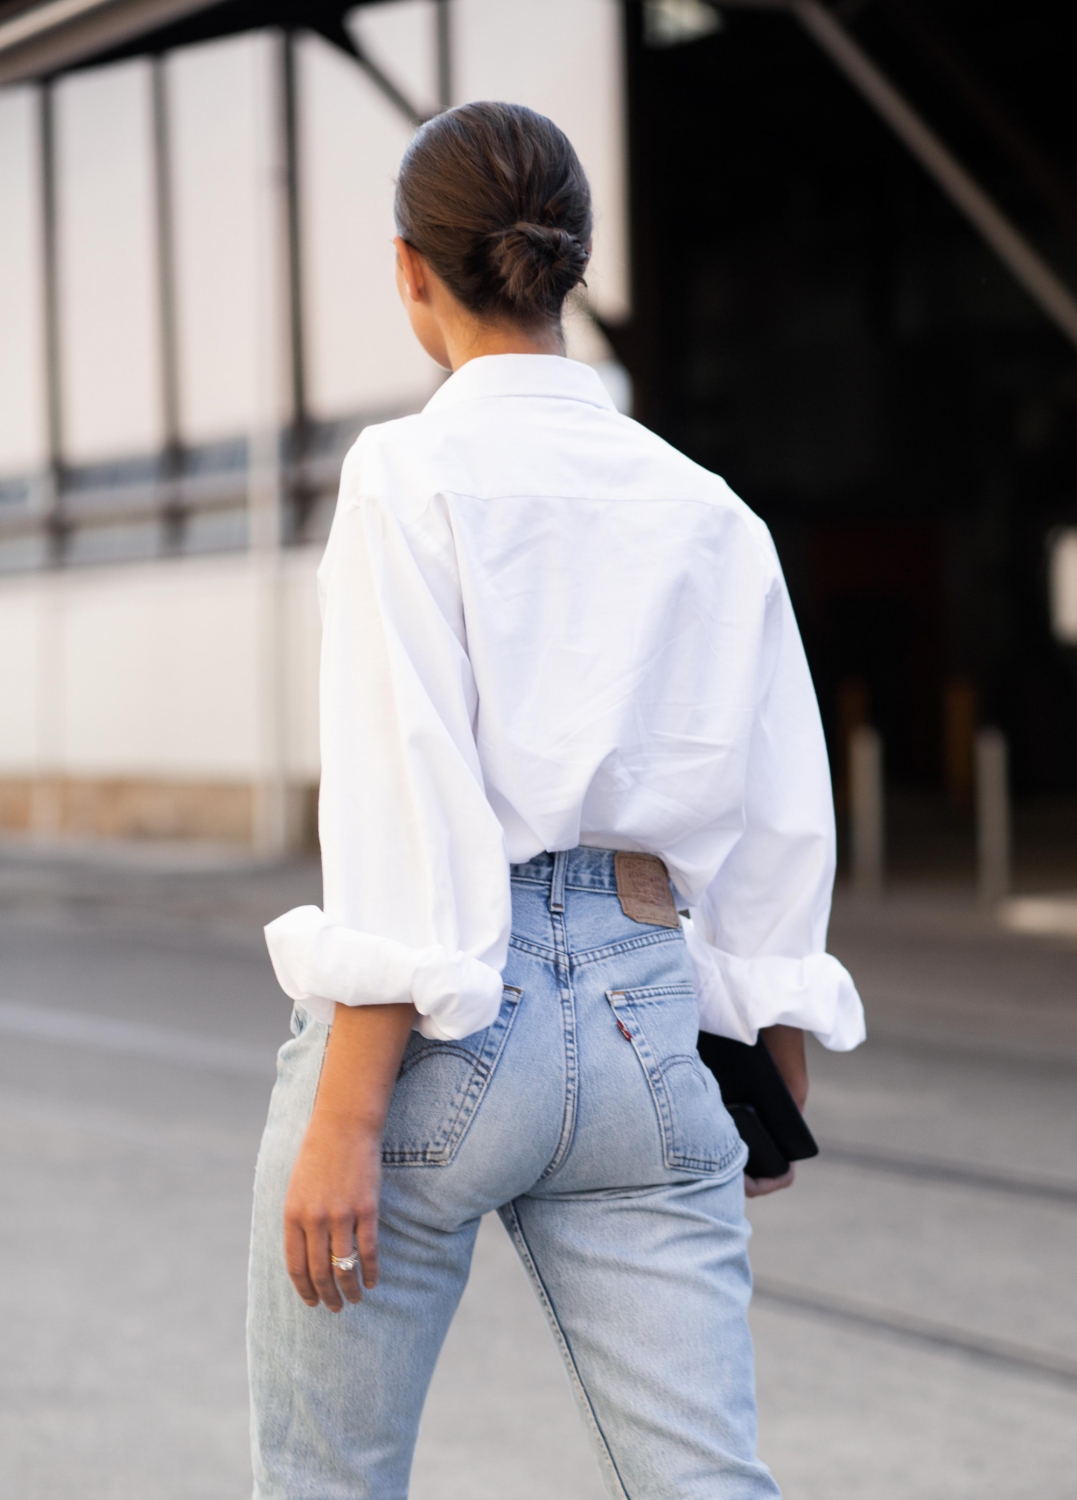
(755, 1094)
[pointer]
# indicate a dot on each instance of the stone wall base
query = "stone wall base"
(135, 808)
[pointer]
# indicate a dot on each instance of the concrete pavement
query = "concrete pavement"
(916, 1326)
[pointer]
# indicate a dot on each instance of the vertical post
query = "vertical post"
(960, 713)
(992, 816)
(866, 810)
(444, 55)
(296, 341)
(46, 796)
(174, 517)
(52, 499)
(275, 393)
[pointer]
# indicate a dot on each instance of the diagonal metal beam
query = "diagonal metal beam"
(1038, 170)
(1025, 263)
(341, 37)
(63, 32)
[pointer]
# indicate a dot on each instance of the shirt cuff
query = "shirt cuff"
(738, 996)
(321, 964)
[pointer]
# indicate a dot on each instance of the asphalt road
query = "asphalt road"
(915, 1318)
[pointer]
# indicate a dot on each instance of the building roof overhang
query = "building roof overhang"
(39, 40)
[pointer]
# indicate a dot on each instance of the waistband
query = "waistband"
(581, 869)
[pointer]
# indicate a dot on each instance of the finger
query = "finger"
(295, 1258)
(342, 1244)
(366, 1237)
(758, 1187)
(321, 1270)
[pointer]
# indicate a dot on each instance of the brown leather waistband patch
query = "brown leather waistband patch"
(643, 889)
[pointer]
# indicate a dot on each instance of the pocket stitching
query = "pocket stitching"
(656, 992)
(453, 1049)
(465, 1102)
(626, 946)
(654, 1072)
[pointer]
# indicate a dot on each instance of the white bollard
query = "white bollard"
(866, 810)
(992, 816)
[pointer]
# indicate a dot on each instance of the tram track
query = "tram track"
(958, 1173)
(1000, 1353)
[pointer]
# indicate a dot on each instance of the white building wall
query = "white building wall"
(401, 37)
(215, 120)
(22, 346)
(563, 58)
(150, 670)
(110, 331)
(23, 686)
(361, 354)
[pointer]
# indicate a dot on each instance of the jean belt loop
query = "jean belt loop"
(557, 880)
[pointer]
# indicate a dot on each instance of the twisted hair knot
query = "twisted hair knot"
(538, 264)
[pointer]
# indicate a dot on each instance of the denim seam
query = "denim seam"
(572, 1061)
(557, 882)
(628, 945)
(600, 887)
(511, 1219)
(595, 955)
(537, 950)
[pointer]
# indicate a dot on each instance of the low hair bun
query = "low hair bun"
(494, 197)
(538, 264)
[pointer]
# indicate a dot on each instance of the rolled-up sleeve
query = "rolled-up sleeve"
(757, 935)
(416, 883)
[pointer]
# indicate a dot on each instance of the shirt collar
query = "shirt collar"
(522, 375)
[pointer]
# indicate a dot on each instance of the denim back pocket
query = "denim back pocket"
(439, 1089)
(662, 1022)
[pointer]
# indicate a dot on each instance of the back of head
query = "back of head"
(495, 199)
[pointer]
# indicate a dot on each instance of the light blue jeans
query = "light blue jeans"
(584, 1116)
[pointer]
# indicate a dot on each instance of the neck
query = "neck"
(474, 339)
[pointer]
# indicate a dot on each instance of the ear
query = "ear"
(414, 269)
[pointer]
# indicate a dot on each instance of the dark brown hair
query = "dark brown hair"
(494, 197)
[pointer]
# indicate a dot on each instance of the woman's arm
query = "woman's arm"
(786, 1045)
(416, 887)
(333, 1195)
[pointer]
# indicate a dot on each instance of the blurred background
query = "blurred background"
(836, 261)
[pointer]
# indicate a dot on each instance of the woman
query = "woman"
(563, 696)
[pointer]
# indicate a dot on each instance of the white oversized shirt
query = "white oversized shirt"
(543, 627)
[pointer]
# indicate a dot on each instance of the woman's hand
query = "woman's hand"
(786, 1045)
(758, 1187)
(332, 1203)
(332, 1208)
